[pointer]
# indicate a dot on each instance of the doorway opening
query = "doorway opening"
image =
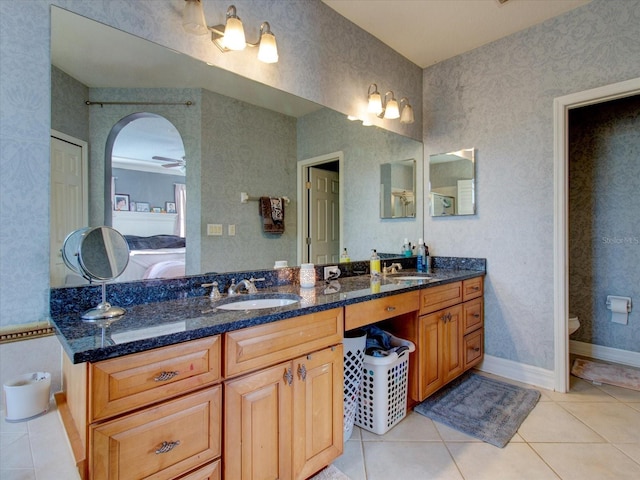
(320, 216)
(562, 106)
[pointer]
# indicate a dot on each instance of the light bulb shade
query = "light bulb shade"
(234, 34)
(407, 114)
(375, 100)
(391, 112)
(193, 20)
(268, 51)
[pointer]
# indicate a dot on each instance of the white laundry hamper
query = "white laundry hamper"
(27, 396)
(354, 343)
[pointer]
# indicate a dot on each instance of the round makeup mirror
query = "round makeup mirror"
(99, 254)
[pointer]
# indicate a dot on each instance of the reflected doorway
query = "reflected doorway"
(321, 199)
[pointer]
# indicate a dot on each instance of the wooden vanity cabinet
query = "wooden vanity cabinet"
(284, 421)
(154, 414)
(448, 335)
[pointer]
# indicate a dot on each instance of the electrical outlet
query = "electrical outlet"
(333, 272)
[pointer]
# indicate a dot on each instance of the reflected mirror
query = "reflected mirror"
(238, 135)
(397, 189)
(452, 183)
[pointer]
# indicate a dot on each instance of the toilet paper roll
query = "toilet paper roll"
(619, 313)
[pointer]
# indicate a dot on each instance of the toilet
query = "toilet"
(574, 323)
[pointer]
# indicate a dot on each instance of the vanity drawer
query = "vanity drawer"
(472, 315)
(433, 299)
(373, 311)
(160, 442)
(208, 472)
(473, 349)
(257, 347)
(471, 288)
(133, 381)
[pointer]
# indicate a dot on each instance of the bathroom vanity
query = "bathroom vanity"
(183, 389)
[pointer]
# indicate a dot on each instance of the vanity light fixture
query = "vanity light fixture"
(231, 35)
(388, 109)
(407, 111)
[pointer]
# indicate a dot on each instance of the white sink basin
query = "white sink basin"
(257, 303)
(411, 277)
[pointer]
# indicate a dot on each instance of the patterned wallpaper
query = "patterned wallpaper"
(69, 114)
(604, 219)
(499, 99)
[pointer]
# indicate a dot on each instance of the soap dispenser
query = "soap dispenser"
(344, 257)
(374, 264)
(406, 248)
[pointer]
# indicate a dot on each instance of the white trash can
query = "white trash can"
(27, 396)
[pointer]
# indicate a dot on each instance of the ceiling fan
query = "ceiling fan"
(173, 162)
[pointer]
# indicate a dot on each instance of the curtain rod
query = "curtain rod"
(188, 103)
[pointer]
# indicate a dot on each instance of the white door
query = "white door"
(324, 216)
(69, 199)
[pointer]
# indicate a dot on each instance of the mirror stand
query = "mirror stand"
(104, 309)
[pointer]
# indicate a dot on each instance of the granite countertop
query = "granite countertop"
(162, 323)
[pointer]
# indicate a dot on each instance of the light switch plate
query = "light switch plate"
(214, 229)
(231, 230)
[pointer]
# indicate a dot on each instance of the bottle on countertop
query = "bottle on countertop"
(374, 263)
(427, 260)
(406, 248)
(344, 257)
(421, 258)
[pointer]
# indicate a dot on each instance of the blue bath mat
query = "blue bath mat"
(484, 408)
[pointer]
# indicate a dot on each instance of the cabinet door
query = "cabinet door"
(257, 425)
(317, 410)
(452, 342)
(430, 333)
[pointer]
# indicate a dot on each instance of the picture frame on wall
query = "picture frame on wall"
(156, 210)
(121, 202)
(170, 207)
(143, 207)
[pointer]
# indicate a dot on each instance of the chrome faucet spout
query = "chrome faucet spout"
(247, 284)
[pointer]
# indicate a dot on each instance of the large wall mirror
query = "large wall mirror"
(238, 136)
(452, 183)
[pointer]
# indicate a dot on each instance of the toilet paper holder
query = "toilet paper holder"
(613, 297)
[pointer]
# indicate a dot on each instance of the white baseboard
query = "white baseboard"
(520, 372)
(608, 354)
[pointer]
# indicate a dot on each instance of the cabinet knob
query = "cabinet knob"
(164, 376)
(390, 309)
(167, 447)
(288, 376)
(302, 372)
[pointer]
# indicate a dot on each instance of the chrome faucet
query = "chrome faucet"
(391, 269)
(247, 284)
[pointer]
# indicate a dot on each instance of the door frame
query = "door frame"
(303, 202)
(561, 107)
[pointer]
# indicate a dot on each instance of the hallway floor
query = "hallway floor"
(591, 433)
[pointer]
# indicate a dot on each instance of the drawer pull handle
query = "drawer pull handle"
(475, 349)
(390, 309)
(476, 288)
(446, 317)
(302, 372)
(167, 447)
(164, 376)
(288, 376)
(476, 315)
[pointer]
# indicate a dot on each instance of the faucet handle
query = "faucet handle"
(215, 293)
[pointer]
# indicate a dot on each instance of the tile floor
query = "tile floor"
(593, 432)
